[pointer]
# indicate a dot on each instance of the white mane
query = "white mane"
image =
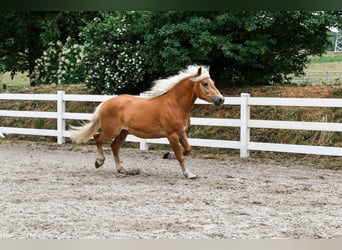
(162, 86)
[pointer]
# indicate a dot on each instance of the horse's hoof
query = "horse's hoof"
(166, 155)
(191, 176)
(97, 165)
(169, 155)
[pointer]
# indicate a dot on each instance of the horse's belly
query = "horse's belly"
(147, 133)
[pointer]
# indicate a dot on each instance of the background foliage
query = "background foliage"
(116, 52)
(112, 61)
(61, 64)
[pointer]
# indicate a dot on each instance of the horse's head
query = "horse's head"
(205, 87)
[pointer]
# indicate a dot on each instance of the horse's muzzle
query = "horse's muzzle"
(218, 100)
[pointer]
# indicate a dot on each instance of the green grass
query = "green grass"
(20, 80)
(327, 58)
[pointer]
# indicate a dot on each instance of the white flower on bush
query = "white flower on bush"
(61, 63)
(106, 62)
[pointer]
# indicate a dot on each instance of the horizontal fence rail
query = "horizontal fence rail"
(245, 123)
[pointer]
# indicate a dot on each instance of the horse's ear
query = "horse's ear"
(199, 72)
(208, 67)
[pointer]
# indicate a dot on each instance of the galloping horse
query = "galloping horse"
(165, 112)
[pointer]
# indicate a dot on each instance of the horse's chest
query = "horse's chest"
(180, 123)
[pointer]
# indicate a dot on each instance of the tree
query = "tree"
(112, 60)
(25, 35)
(19, 40)
(242, 47)
(59, 26)
(62, 61)
(173, 40)
(245, 47)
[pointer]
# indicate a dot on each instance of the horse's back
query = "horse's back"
(116, 102)
(139, 116)
(123, 106)
(120, 99)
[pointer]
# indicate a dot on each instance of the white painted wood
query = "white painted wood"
(28, 131)
(143, 145)
(31, 97)
(227, 100)
(245, 123)
(86, 98)
(244, 129)
(290, 148)
(77, 116)
(60, 119)
(319, 126)
(132, 138)
(158, 141)
(214, 143)
(32, 114)
(220, 122)
(296, 102)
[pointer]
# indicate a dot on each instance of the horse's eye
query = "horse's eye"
(205, 85)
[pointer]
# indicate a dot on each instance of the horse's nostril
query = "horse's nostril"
(218, 100)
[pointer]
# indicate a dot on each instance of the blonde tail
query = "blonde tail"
(83, 133)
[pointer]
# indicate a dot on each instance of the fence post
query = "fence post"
(244, 129)
(60, 118)
(143, 142)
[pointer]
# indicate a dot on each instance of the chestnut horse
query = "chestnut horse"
(165, 112)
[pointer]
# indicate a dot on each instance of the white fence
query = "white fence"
(244, 123)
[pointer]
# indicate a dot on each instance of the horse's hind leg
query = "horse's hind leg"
(99, 138)
(116, 144)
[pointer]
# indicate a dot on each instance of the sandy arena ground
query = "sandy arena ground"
(50, 192)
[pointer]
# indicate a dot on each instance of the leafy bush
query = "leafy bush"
(113, 62)
(2, 68)
(61, 64)
(122, 52)
(107, 61)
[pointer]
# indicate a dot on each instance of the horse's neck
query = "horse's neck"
(184, 95)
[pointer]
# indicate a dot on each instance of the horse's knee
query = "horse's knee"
(187, 151)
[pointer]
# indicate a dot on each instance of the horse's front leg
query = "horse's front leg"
(174, 142)
(183, 139)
